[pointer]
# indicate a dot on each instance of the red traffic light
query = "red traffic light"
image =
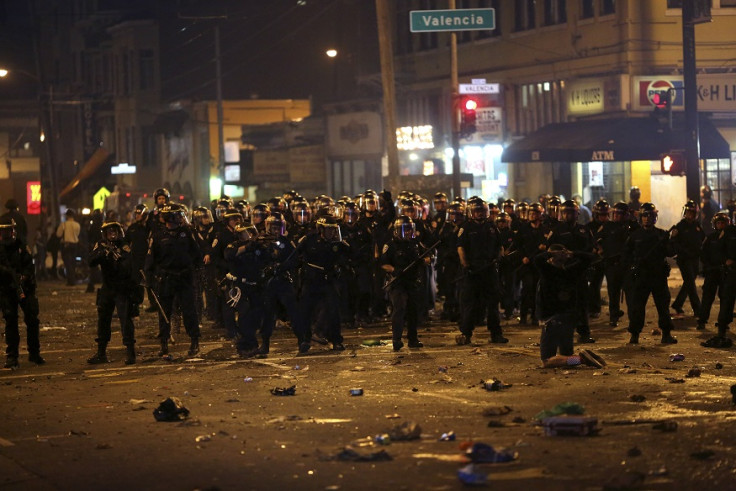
(661, 98)
(467, 116)
(471, 104)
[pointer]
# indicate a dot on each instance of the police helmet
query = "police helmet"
(601, 208)
(649, 212)
(690, 207)
(404, 228)
(536, 210)
(455, 213)
(509, 203)
(721, 217)
(569, 211)
(140, 210)
(522, 210)
(503, 220)
(350, 213)
(161, 192)
(246, 232)
(329, 229)
(201, 216)
(478, 209)
(244, 208)
(553, 204)
(112, 231)
(260, 213)
(620, 211)
(301, 212)
(275, 224)
(174, 214)
(232, 214)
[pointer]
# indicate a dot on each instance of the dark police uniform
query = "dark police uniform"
(687, 239)
(713, 255)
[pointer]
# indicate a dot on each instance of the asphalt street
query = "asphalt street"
(660, 424)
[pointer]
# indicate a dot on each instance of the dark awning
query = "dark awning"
(617, 139)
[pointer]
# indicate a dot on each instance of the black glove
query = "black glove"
(386, 195)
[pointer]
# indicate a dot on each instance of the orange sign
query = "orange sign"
(33, 197)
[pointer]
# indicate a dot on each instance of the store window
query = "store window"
(720, 177)
(605, 180)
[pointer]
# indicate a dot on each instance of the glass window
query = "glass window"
(524, 15)
(555, 12)
(608, 7)
(146, 67)
(496, 5)
(586, 9)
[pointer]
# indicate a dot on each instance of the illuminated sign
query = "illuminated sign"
(33, 197)
(99, 198)
(414, 137)
(232, 173)
(122, 168)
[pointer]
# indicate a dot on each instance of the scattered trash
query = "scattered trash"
(625, 480)
(443, 369)
(495, 424)
(167, 358)
(356, 392)
(77, 433)
(350, 455)
(202, 438)
(248, 379)
(637, 398)
(570, 426)
(677, 357)
(494, 385)
(283, 419)
(633, 452)
(717, 342)
(297, 367)
(383, 439)
(447, 437)
(719, 366)
(496, 411)
(656, 332)
(470, 476)
(288, 391)
(393, 416)
(414, 389)
(103, 446)
(232, 400)
(572, 408)
(357, 369)
(733, 393)
(693, 372)
(675, 380)
(52, 328)
(703, 454)
(660, 471)
(476, 351)
(372, 342)
(518, 420)
(482, 453)
(171, 410)
(666, 426)
(407, 430)
(135, 402)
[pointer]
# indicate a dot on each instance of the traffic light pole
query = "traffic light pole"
(455, 105)
(692, 143)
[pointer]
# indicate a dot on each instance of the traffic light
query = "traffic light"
(467, 115)
(662, 99)
(674, 162)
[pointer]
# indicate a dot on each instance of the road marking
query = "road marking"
(448, 398)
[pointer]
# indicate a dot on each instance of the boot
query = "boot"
(193, 347)
(668, 338)
(634, 339)
(100, 356)
(36, 358)
(12, 362)
(265, 346)
(164, 347)
(130, 354)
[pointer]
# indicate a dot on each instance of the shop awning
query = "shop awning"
(90, 167)
(617, 139)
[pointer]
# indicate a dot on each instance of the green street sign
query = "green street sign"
(452, 20)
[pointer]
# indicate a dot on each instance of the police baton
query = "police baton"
(411, 264)
(154, 297)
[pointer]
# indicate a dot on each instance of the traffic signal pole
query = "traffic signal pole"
(692, 143)
(455, 112)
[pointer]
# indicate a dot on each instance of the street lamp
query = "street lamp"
(46, 122)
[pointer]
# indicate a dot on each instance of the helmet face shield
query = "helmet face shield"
(275, 226)
(246, 232)
(331, 232)
(112, 232)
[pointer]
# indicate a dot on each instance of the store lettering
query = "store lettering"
(599, 155)
(713, 92)
(586, 97)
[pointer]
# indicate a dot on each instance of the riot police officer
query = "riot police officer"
(531, 241)
(18, 290)
(119, 291)
(687, 238)
(646, 251)
(205, 235)
(400, 258)
(479, 247)
(172, 259)
(610, 242)
(224, 315)
(448, 262)
(713, 256)
(322, 255)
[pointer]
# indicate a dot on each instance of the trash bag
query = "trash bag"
(482, 453)
(717, 342)
(171, 410)
(288, 391)
(348, 454)
(407, 430)
(470, 476)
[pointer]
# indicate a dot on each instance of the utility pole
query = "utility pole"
(389, 89)
(455, 123)
(692, 143)
(220, 129)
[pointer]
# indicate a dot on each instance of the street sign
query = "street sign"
(99, 198)
(478, 88)
(452, 20)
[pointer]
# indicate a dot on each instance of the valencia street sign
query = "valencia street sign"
(452, 20)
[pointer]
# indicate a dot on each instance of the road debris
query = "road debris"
(408, 430)
(171, 410)
(470, 476)
(281, 391)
